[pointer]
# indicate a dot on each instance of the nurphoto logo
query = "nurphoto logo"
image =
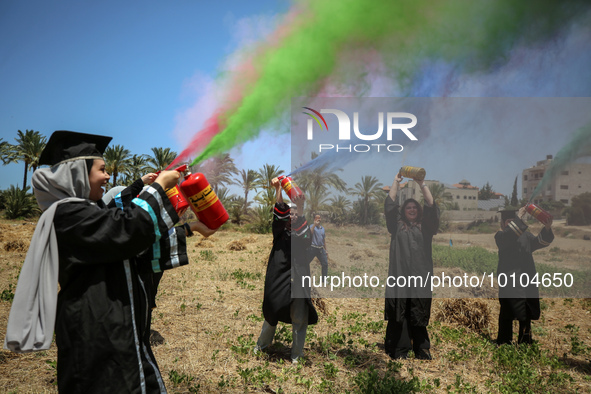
(396, 122)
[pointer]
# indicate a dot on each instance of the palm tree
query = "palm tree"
(320, 179)
(4, 151)
(266, 174)
(368, 189)
(29, 146)
(316, 183)
(338, 208)
(235, 209)
(138, 166)
(315, 201)
(266, 197)
(442, 198)
(161, 158)
(19, 203)
(247, 181)
(116, 160)
(224, 196)
(218, 170)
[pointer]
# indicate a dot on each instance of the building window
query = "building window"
(536, 176)
(564, 201)
(464, 197)
(564, 173)
(525, 177)
(525, 190)
(458, 197)
(563, 187)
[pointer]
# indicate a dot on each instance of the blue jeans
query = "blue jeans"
(320, 253)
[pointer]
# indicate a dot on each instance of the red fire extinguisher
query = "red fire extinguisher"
(175, 196)
(203, 200)
(290, 187)
(538, 213)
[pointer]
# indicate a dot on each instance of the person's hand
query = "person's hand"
(201, 228)
(168, 179)
(398, 178)
(275, 183)
(299, 200)
(521, 213)
(148, 179)
(316, 222)
(548, 223)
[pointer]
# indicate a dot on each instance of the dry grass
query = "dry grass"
(209, 314)
(472, 314)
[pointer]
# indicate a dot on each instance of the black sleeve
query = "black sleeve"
(88, 234)
(280, 218)
(431, 218)
(509, 235)
(544, 238)
(392, 213)
(128, 194)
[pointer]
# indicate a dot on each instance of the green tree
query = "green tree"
(316, 184)
(160, 159)
(367, 190)
(137, 167)
(514, 199)
(262, 218)
(218, 171)
(224, 196)
(266, 195)
(338, 208)
(247, 181)
(19, 203)
(236, 209)
(265, 174)
(4, 150)
(579, 213)
(486, 193)
(28, 148)
(116, 161)
(441, 197)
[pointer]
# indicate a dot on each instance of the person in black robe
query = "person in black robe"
(288, 263)
(123, 197)
(408, 305)
(102, 312)
(516, 246)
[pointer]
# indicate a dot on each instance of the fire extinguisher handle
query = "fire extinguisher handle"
(182, 168)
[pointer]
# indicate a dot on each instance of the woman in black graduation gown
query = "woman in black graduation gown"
(516, 246)
(290, 230)
(408, 308)
(102, 310)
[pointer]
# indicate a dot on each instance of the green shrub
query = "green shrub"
(261, 220)
(18, 203)
(370, 381)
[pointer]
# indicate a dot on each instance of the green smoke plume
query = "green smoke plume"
(473, 34)
(578, 147)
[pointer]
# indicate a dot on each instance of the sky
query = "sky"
(151, 74)
(132, 70)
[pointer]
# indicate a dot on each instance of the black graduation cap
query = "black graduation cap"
(65, 145)
(508, 214)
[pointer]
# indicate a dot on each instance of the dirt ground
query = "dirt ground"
(209, 314)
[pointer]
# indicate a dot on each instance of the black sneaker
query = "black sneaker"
(423, 354)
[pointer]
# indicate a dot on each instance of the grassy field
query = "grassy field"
(209, 314)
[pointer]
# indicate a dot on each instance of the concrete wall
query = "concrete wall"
(468, 216)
